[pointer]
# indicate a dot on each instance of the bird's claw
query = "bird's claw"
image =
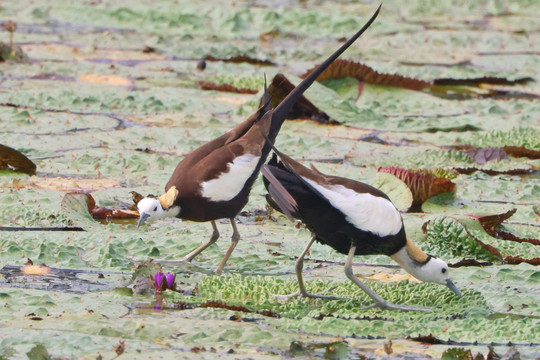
(390, 306)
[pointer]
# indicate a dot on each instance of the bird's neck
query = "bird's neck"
(411, 258)
(171, 212)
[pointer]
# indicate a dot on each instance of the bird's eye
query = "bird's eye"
(155, 209)
(443, 271)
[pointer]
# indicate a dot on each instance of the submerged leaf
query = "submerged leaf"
(483, 155)
(346, 68)
(13, 160)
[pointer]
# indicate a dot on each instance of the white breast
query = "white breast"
(230, 183)
(365, 211)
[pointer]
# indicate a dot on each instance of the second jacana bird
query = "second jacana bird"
(351, 217)
(214, 181)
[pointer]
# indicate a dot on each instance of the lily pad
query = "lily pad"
(398, 192)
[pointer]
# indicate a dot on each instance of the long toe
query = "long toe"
(390, 306)
(288, 296)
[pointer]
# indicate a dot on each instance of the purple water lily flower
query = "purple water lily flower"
(170, 280)
(158, 281)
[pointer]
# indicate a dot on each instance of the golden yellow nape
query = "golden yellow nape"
(167, 199)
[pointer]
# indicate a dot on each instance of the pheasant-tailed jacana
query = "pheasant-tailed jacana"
(351, 217)
(214, 181)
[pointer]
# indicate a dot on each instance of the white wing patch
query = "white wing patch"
(230, 183)
(365, 211)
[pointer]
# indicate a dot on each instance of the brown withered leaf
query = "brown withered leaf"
(303, 108)
(207, 85)
(490, 224)
(422, 183)
(470, 262)
(428, 339)
(13, 160)
(483, 155)
(120, 347)
(520, 151)
(515, 260)
(347, 68)
(241, 59)
(136, 198)
(470, 170)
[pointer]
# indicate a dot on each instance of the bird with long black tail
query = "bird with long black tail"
(214, 181)
(351, 217)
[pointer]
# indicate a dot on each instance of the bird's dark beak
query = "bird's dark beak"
(451, 285)
(142, 218)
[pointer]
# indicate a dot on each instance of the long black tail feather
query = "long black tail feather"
(282, 110)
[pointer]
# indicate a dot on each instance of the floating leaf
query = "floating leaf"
(528, 138)
(82, 207)
(398, 192)
(76, 208)
(467, 238)
(448, 236)
(13, 160)
(206, 85)
(346, 68)
(422, 183)
(491, 223)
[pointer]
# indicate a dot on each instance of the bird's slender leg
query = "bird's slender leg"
(379, 301)
(299, 265)
(234, 240)
(200, 249)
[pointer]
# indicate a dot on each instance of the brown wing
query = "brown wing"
(192, 172)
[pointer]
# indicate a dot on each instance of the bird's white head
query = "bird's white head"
(150, 210)
(424, 267)
(435, 270)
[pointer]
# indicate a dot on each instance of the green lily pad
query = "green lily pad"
(398, 192)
